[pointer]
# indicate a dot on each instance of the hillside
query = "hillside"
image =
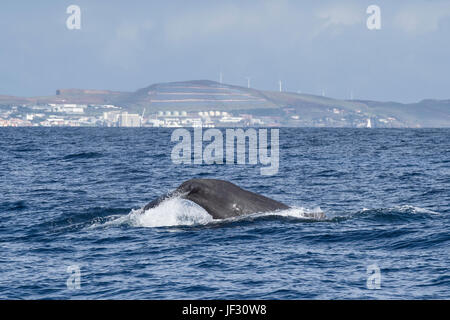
(295, 109)
(194, 96)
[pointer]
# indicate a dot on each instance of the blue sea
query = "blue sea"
(72, 227)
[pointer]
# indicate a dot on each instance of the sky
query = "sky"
(311, 46)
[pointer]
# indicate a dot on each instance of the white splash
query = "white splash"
(413, 209)
(171, 212)
(298, 213)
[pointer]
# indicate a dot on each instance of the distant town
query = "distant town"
(79, 115)
(82, 115)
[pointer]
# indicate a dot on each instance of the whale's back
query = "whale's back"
(222, 199)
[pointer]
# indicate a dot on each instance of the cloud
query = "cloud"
(344, 15)
(334, 17)
(132, 31)
(422, 18)
(126, 42)
(255, 19)
(128, 32)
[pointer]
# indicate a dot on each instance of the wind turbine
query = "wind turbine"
(248, 81)
(220, 77)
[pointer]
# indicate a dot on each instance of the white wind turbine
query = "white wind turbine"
(248, 81)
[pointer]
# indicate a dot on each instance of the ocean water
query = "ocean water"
(71, 199)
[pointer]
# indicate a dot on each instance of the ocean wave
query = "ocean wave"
(83, 155)
(406, 209)
(397, 213)
(13, 206)
(413, 209)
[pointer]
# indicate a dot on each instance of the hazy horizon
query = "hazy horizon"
(312, 47)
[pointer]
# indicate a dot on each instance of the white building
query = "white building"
(129, 120)
(192, 122)
(69, 108)
(231, 119)
(111, 118)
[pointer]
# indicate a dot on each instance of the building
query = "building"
(111, 118)
(231, 119)
(129, 120)
(69, 108)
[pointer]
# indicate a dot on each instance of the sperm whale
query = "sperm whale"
(221, 199)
